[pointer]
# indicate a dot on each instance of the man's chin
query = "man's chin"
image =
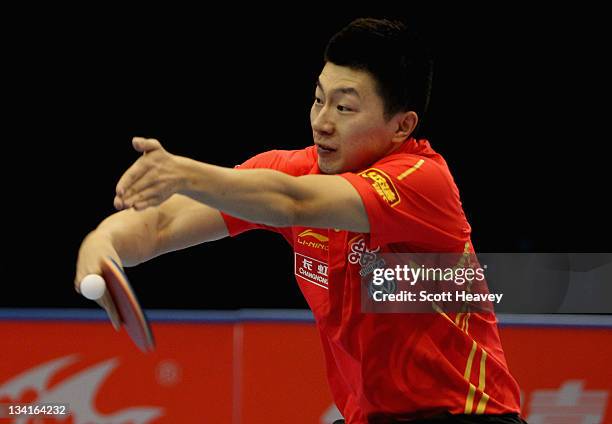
(327, 168)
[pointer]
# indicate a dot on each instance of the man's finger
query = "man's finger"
(150, 189)
(146, 145)
(151, 201)
(137, 189)
(148, 197)
(132, 175)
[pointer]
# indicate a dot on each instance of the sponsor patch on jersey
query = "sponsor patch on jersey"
(309, 238)
(383, 185)
(311, 270)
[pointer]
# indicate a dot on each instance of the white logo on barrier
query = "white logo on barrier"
(570, 404)
(79, 392)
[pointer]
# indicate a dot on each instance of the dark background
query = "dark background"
(519, 108)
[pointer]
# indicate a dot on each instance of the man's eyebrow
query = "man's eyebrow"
(343, 90)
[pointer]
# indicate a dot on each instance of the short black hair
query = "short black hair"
(395, 57)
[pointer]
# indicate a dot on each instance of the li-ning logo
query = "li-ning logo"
(309, 238)
(79, 391)
(383, 185)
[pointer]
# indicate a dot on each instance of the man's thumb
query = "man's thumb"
(145, 145)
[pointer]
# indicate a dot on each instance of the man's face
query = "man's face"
(347, 119)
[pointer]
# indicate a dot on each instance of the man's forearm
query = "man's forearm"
(263, 196)
(132, 234)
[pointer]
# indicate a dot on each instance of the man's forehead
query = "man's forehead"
(334, 76)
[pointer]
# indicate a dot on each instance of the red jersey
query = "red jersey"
(379, 365)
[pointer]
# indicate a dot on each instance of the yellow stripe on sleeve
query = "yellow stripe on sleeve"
(411, 170)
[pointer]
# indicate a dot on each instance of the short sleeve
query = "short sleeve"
(293, 162)
(412, 200)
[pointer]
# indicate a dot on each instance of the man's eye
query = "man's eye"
(318, 100)
(344, 108)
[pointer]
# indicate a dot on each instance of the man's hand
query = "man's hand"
(94, 248)
(152, 179)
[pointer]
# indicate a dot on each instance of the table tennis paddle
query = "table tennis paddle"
(128, 307)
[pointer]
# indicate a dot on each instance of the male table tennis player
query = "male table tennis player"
(381, 368)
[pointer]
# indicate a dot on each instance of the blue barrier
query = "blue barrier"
(279, 315)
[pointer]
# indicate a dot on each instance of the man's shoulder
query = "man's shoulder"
(293, 162)
(413, 153)
(408, 173)
(401, 165)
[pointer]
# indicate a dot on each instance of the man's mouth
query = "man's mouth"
(324, 149)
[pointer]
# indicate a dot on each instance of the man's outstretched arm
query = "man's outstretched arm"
(258, 195)
(131, 237)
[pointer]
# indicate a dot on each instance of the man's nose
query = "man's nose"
(321, 122)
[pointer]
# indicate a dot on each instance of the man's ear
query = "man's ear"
(406, 123)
